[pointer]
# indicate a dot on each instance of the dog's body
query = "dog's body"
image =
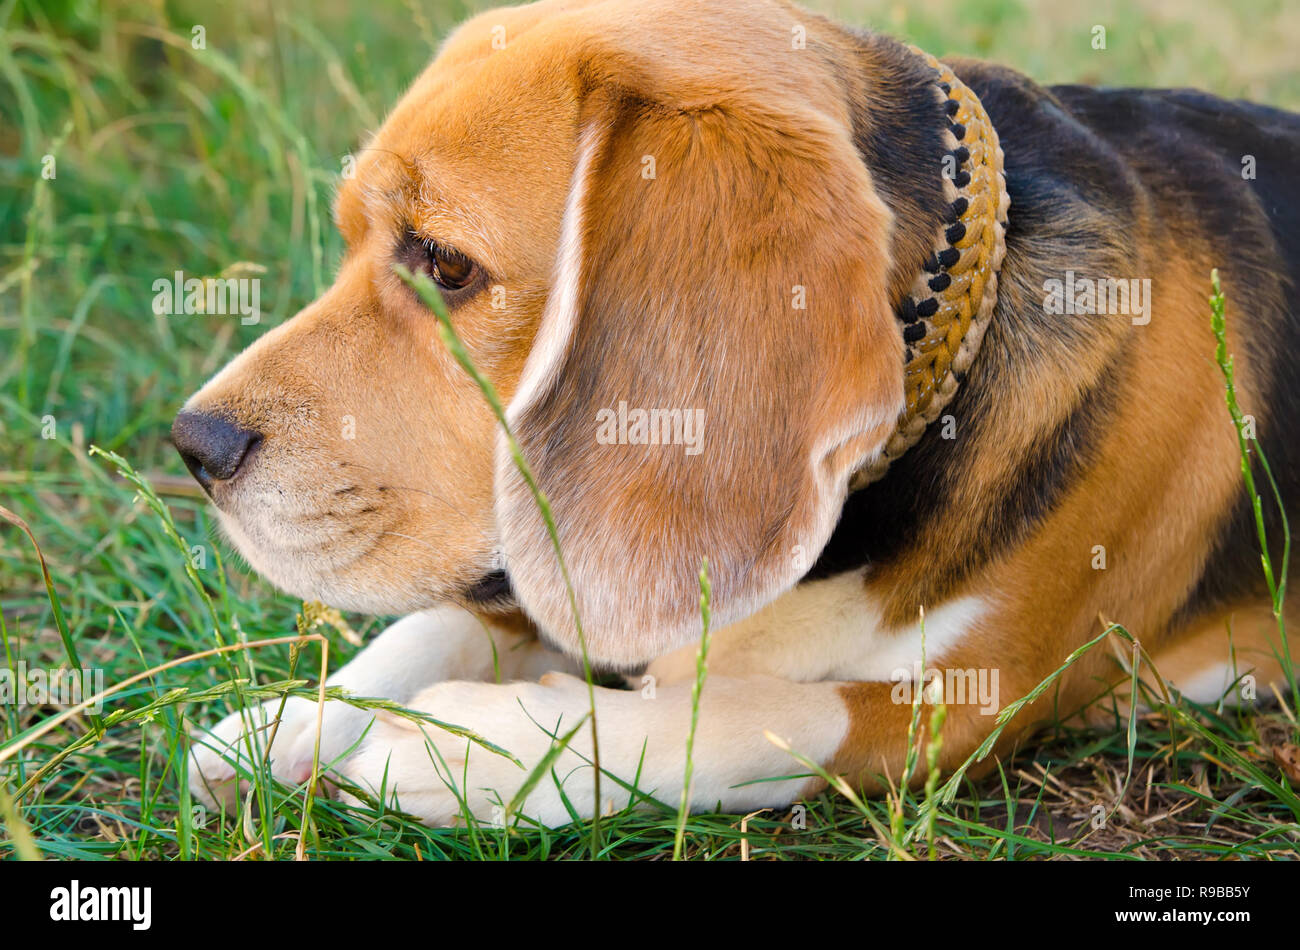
(1085, 467)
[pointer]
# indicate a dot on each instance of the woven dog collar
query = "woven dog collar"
(945, 315)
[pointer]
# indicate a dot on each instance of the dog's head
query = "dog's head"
(655, 236)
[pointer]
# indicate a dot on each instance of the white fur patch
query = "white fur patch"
(423, 648)
(1211, 684)
(828, 630)
(642, 740)
(944, 628)
(560, 316)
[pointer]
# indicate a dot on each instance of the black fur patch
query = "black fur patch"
(1081, 164)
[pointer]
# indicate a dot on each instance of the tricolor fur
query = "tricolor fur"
(774, 166)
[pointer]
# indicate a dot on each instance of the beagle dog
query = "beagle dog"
(871, 333)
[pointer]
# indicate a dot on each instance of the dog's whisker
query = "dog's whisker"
(422, 491)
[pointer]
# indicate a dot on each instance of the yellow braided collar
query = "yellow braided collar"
(950, 305)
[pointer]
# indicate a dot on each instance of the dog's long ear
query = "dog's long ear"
(721, 288)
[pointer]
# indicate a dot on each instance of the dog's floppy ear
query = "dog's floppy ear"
(720, 287)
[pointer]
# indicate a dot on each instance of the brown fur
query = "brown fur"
(772, 171)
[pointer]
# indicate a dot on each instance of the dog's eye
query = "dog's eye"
(450, 269)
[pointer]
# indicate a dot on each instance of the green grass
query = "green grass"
(170, 158)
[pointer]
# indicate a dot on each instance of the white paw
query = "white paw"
(436, 775)
(220, 759)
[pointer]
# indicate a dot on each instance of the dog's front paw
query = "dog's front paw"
(437, 776)
(222, 758)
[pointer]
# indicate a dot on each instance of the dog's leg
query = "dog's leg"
(1233, 656)
(819, 634)
(642, 733)
(1199, 660)
(413, 653)
(831, 630)
(816, 667)
(1206, 664)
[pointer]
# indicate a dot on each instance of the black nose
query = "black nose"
(212, 447)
